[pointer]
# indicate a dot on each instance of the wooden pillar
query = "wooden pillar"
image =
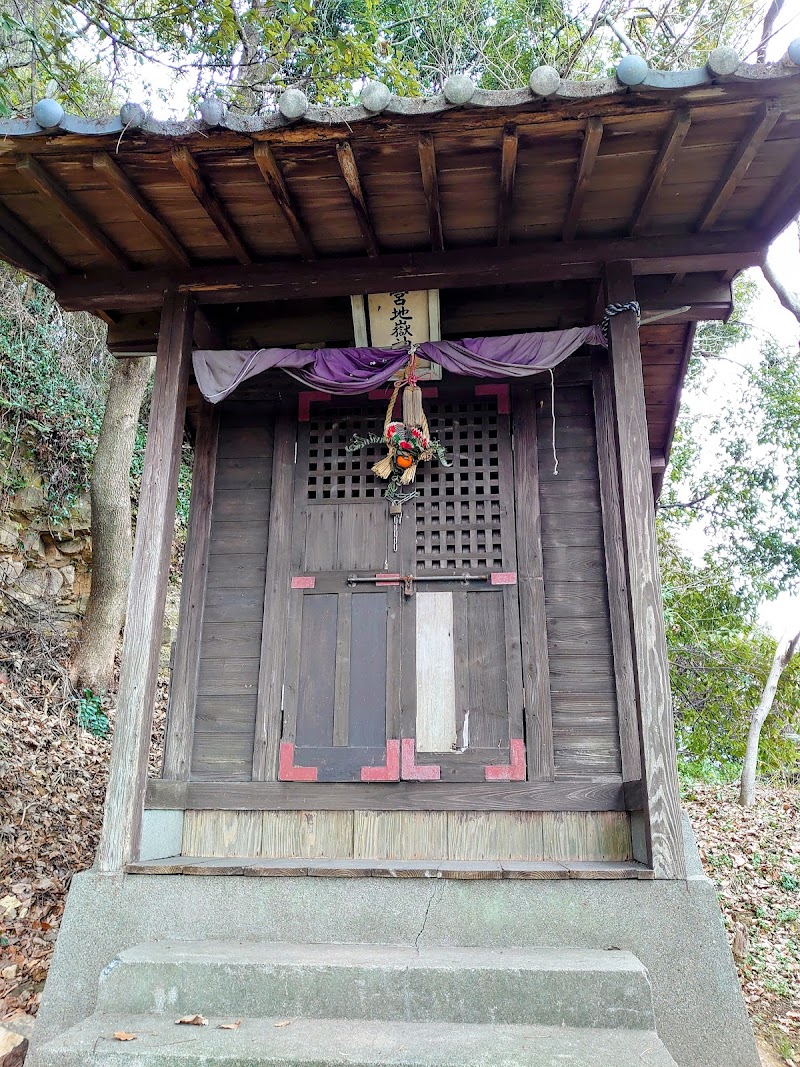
(186, 663)
(645, 608)
(119, 841)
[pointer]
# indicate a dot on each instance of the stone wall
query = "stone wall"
(44, 566)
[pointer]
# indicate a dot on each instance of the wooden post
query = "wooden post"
(186, 664)
(654, 702)
(119, 841)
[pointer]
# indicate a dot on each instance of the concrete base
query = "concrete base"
(673, 928)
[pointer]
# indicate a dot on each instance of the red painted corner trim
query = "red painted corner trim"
(384, 578)
(502, 394)
(509, 772)
(430, 391)
(304, 401)
(287, 772)
(504, 578)
(430, 772)
(390, 771)
(303, 581)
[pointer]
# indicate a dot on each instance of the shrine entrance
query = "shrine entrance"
(403, 654)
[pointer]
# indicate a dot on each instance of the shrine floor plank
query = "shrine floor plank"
(258, 867)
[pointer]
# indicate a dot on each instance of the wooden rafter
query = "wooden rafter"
(778, 211)
(29, 242)
(18, 256)
(349, 169)
(739, 163)
(119, 180)
(273, 176)
(676, 134)
(430, 183)
(187, 167)
(457, 269)
(72, 212)
(589, 150)
(508, 173)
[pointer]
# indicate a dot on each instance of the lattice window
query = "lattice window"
(458, 508)
(334, 473)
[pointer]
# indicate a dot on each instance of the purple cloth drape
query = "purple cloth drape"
(357, 370)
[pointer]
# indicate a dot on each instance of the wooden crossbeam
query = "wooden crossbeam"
(349, 169)
(508, 173)
(187, 167)
(70, 209)
(739, 163)
(591, 146)
(457, 269)
(119, 180)
(430, 183)
(779, 210)
(676, 135)
(18, 256)
(273, 176)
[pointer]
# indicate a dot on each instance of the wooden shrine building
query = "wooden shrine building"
(471, 684)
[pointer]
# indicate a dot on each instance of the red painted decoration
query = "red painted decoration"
(413, 772)
(287, 772)
(509, 772)
(502, 394)
(388, 579)
(304, 402)
(390, 771)
(303, 581)
(504, 578)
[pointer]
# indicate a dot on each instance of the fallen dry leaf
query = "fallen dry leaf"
(192, 1020)
(286, 1022)
(230, 1026)
(123, 1035)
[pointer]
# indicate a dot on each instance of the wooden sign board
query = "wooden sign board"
(399, 319)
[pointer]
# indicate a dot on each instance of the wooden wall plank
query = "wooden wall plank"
(436, 690)
(659, 765)
(506, 835)
(317, 683)
(367, 698)
(307, 834)
(570, 835)
(141, 646)
(379, 835)
(222, 833)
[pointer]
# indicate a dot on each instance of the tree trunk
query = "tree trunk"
(93, 661)
(787, 646)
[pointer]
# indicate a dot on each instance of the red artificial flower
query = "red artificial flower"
(405, 444)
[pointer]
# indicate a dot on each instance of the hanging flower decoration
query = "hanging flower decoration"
(408, 442)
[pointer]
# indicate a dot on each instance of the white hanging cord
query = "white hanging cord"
(553, 416)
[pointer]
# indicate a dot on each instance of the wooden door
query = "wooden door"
(403, 650)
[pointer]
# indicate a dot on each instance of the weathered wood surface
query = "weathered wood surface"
(587, 793)
(430, 183)
(188, 168)
(616, 570)
(141, 644)
(186, 663)
(659, 767)
(449, 869)
(273, 176)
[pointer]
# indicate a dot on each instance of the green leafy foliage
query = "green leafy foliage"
(91, 715)
(719, 662)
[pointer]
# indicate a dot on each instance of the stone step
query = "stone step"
(545, 987)
(339, 1042)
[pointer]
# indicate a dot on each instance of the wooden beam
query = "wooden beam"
(430, 183)
(119, 180)
(781, 208)
(141, 645)
(186, 663)
(591, 146)
(645, 607)
(739, 163)
(508, 174)
(71, 210)
(186, 166)
(30, 242)
(19, 256)
(676, 135)
(273, 176)
(349, 169)
(562, 795)
(456, 269)
(205, 333)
